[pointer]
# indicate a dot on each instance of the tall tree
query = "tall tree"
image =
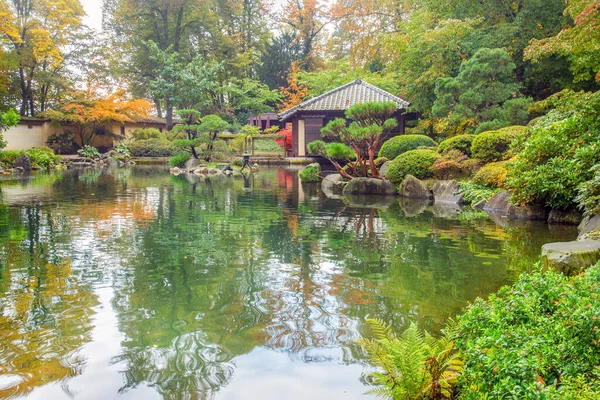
(38, 32)
(307, 19)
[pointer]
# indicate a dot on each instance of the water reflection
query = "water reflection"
(209, 276)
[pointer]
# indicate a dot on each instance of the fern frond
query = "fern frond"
(381, 330)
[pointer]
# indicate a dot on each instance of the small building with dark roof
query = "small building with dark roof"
(310, 116)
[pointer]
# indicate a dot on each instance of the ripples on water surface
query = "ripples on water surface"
(136, 284)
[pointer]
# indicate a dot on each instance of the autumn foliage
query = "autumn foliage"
(87, 112)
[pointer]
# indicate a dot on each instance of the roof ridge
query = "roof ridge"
(290, 111)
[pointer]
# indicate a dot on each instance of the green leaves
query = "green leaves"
(415, 365)
(531, 338)
(557, 154)
(483, 91)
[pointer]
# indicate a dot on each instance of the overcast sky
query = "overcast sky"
(93, 8)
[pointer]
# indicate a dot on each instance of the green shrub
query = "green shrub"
(494, 145)
(413, 365)
(331, 150)
(475, 193)
(472, 165)
(310, 174)
(397, 145)
(152, 148)
(237, 145)
(461, 143)
(43, 157)
(492, 175)
(122, 150)
(413, 162)
(89, 152)
(146, 134)
(8, 157)
(557, 154)
(528, 339)
(588, 196)
(179, 160)
(267, 145)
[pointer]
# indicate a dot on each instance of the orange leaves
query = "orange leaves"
(112, 108)
(294, 93)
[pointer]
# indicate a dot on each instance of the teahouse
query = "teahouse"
(310, 116)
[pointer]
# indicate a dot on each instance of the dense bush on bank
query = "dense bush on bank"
(539, 338)
(413, 162)
(397, 145)
(556, 155)
(40, 157)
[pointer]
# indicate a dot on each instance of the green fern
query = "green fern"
(413, 365)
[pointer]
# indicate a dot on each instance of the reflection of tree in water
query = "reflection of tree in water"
(45, 312)
(209, 271)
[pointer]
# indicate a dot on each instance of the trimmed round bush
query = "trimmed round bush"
(413, 162)
(179, 160)
(494, 145)
(492, 175)
(461, 143)
(152, 148)
(403, 143)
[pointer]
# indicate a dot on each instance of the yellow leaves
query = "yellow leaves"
(43, 48)
(294, 93)
(8, 23)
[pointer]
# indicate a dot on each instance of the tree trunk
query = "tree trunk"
(169, 115)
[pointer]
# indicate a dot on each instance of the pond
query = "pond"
(135, 284)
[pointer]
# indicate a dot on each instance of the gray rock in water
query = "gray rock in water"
(414, 188)
(192, 163)
(370, 186)
(446, 192)
(333, 185)
(568, 217)
(571, 258)
(498, 203)
(23, 162)
(384, 168)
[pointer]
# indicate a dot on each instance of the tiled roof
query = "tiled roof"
(344, 97)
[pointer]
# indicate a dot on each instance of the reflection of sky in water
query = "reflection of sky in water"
(141, 285)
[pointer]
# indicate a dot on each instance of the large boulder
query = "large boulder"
(446, 192)
(566, 217)
(192, 164)
(414, 188)
(529, 212)
(333, 185)
(498, 203)
(23, 162)
(571, 257)
(370, 186)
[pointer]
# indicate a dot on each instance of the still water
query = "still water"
(134, 284)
